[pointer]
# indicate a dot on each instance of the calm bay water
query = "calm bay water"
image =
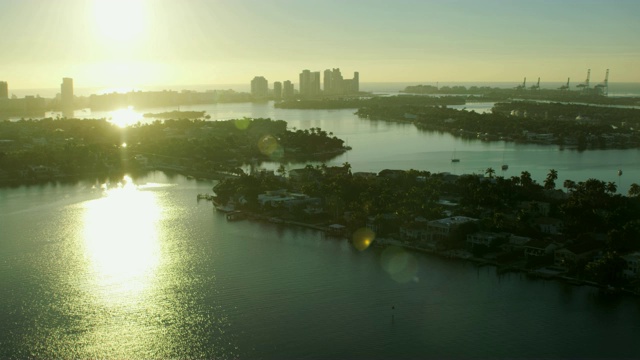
(143, 270)
(379, 145)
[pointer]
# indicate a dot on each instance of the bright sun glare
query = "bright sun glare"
(120, 21)
(125, 117)
(121, 240)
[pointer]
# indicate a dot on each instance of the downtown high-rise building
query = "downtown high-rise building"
(259, 87)
(287, 90)
(309, 83)
(277, 90)
(66, 94)
(4, 90)
(335, 84)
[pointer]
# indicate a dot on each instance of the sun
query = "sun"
(120, 21)
(125, 117)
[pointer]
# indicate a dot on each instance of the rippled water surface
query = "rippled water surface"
(141, 269)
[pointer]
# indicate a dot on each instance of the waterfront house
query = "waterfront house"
(439, 230)
(632, 270)
(571, 255)
(538, 248)
(383, 224)
(549, 225)
(515, 243)
(414, 230)
(485, 238)
(283, 198)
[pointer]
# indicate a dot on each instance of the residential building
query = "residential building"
(352, 86)
(549, 225)
(571, 255)
(287, 90)
(632, 271)
(309, 83)
(538, 247)
(4, 90)
(438, 230)
(259, 87)
(277, 90)
(484, 238)
(66, 94)
(335, 84)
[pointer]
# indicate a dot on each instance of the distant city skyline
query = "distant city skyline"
(137, 43)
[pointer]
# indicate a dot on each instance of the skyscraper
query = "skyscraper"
(352, 86)
(309, 83)
(287, 90)
(305, 83)
(333, 82)
(277, 90)
(66, 93)
(259, 87)
(4, 90)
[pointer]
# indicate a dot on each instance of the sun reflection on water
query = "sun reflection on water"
(121, 242)
(125, 117)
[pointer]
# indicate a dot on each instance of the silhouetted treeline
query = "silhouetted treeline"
(578, 126)
(353, 103)
(35, 150)
(400, 204)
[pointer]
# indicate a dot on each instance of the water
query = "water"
(615, 88)
(379, 145)
(145, 271)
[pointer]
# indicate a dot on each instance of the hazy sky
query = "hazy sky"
(122, 43)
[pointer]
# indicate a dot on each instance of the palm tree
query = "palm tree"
(634, 190)
(611, 187)
(525, 179)
(490, 172)
(347, 166)
(550, 181)
(569, 184)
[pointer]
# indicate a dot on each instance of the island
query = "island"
(48, 149)
(586, 234)
(176, 114)
(576, 126)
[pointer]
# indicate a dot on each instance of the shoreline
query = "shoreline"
(543, 273)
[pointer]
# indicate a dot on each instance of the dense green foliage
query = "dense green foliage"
(72, 146)
(576, 126)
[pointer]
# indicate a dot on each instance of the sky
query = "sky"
(134, 43)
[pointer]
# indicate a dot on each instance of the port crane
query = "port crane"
(603, 89)
(536, 86)
(523, 86)
(585, 86)
(565, 87)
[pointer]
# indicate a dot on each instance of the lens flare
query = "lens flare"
(362, 238)
(269, 146)
(242, 124)
(400, 264)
